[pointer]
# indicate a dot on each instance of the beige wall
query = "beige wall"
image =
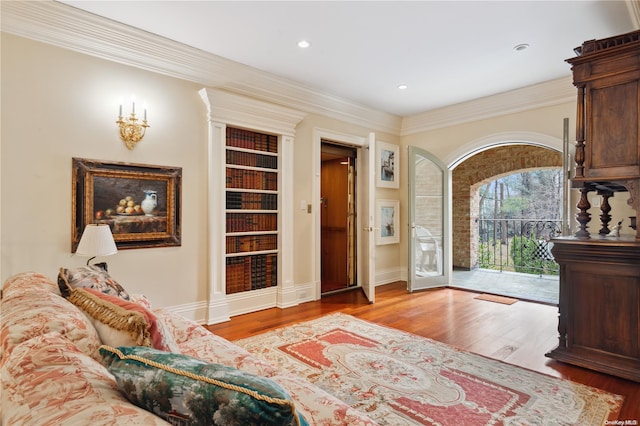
(58, 104)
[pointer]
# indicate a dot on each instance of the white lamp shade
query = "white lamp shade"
(96, 240)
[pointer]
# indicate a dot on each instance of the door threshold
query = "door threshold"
(340, 290)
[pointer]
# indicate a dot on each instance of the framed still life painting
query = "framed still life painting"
(140, 203)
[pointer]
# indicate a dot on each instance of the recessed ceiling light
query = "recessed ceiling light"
(303, 44)
(520, 47)
(402, 86)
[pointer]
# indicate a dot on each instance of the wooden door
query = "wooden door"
(334, 217)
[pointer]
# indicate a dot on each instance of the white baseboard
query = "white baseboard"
(389, 275)
(257, 300)
(196, 311)
(306, 292)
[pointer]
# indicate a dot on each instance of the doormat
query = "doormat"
(498, 299)
(399, 378)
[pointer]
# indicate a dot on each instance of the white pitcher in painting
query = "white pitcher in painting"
(150, 202)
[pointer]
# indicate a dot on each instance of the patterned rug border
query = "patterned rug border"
(342, 316)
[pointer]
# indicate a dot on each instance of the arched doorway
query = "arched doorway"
(478, 168)
(468, 175)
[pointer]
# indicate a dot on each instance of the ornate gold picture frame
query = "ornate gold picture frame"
(141, 203)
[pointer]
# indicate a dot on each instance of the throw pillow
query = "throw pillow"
(115, 324)
(141, 300)
(119, 322)
(179, 387)
(160, 337)
(91, 276)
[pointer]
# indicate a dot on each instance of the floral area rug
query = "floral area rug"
(399, 378)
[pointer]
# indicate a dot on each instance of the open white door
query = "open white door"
(429, 220)
(367, 277)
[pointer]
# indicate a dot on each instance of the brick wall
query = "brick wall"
(475, 171)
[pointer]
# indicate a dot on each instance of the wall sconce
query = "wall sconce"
(132, 132)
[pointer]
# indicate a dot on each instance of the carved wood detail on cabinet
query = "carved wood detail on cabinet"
(599, 306)
(607, 75)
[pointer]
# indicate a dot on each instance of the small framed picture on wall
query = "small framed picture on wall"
(387, 222)
(388, 165)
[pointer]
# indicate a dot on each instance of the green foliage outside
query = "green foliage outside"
(486, 257)
(506, 206)
(523, 252)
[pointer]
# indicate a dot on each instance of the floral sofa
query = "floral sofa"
(53, 372)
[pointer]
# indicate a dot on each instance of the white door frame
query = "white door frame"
(360, 143)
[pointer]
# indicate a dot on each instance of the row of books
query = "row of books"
(246, 243)
(251, 201)
(242, 158)
(248, 273)
(252, 222)
(252, 179)
(241, 138)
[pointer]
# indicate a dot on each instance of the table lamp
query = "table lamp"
(96, 240)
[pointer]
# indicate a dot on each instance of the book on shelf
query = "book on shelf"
(247, 274)
(241, 138)
(251, 179)
(249, 243)
(251, 222)
(250, 159)
(251, 201)
(253, 272)
(235, 275)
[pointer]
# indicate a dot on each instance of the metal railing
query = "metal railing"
(519, 245)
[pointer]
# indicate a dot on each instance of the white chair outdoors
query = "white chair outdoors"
(429, 248)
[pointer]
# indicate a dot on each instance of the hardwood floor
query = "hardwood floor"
(518, 334)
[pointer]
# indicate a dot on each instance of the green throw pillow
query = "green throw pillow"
(177, 387)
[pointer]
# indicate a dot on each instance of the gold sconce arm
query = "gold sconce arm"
(132, 132)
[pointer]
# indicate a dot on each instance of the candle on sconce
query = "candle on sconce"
(132, 129)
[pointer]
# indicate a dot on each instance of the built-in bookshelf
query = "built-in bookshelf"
(251, 198)
(250, 224)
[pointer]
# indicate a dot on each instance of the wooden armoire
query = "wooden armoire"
(599, 306)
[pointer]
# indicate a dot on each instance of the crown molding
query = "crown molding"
(540, 95)
(64, 26)
(239, 110)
